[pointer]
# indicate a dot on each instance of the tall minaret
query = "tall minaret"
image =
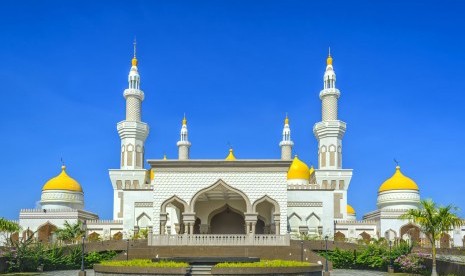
(133, 131)
(286, 144)
(183, 143)
(330, 130)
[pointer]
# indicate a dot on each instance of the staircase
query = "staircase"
(199, 269)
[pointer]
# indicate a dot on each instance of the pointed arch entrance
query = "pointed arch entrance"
(219, 209)
(45, 232)
(410, 232)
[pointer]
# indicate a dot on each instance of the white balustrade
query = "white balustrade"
(219, 240)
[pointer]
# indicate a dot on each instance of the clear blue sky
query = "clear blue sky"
(235, 68)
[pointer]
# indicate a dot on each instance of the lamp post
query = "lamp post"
(127, 249)
(301, 250)
(390, 267)
(84, 231)
(326, 256)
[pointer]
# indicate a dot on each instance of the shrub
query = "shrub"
(146, 263)
(265, 263)
(374, 256)
(411, 263)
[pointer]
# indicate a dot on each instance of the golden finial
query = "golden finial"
(164, 157)
(329, 60)
(231, 156)
(134, 59)
(184, 120)
(63, 167)
(286, 120)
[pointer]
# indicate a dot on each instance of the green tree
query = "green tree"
(433, 221)
(8, 227)
(70, 233)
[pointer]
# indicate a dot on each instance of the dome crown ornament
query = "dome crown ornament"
(398, 181)
(63, 182)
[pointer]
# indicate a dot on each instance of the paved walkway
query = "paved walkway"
(336, 272)
(349, 272)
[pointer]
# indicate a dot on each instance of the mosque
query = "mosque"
(231, 201)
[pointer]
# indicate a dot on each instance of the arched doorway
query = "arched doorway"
(227, 221)
(444, 242)
(267, 210)
(172, 209)
(365, 237)
(339, 236)
(28, 234)
(118, 236)
(220, 209)
(410, 232)
(94, 236)
(260, 228)
(45, 232)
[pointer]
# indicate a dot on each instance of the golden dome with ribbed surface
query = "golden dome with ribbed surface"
(62, 182)
(298, 170)
(350, 210)
(398, 181)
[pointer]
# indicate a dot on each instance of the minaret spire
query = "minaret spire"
(183, 143)
(330, 130)
(133, 134)
(286, 144)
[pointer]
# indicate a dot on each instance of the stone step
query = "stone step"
(201, 270)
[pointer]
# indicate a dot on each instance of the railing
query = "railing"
(219, 240)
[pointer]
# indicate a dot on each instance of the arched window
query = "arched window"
(323, 156)
(130, 150)
(138, 156)
(332, 155)
(122, 156)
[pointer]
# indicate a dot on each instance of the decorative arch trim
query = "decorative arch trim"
(172, 199)
(266, 198)
(294, 215)
(313, 214)
(220, 182)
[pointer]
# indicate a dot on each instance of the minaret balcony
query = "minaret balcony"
(134, 93)
(330, 91)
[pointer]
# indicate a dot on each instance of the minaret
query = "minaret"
(183, 143)
(330, 130)
(133, 131)
(286, 144)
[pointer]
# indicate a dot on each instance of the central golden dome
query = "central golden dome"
(62, 182)
(398, 181)
(298, 170)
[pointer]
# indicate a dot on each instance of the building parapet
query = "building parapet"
(105, 221)
(354, 222)
(219, 240)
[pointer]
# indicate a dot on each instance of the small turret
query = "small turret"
(184, 144)
(286, 144)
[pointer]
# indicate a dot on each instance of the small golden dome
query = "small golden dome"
(298, 170)
(312, 170)
(398, 181)
(152, 174)
(329, 60)
(184, 121)
(62, 182)
(350, 210)
(286, 121)
(134, 61)
(230, 156)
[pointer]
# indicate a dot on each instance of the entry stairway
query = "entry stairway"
(198, 269)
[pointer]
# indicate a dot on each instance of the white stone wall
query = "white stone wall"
(186, 184)
(304, 203)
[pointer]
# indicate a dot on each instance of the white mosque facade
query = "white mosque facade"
(260, 201)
